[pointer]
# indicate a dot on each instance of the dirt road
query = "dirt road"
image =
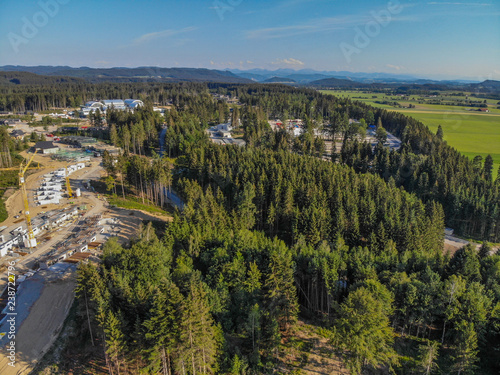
(40, 328)
(94, 205)
(48, 309)
(14, 203)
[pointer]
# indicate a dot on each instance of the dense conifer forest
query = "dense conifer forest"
(280, 231)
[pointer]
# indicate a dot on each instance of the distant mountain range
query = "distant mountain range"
(279, 80)
(488, 85)
(306, 77)
(143, 74)
(337, 83)
(26, 78)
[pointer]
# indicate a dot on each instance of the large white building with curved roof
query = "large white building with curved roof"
(94, 104)
(104, 105)
(133, 103)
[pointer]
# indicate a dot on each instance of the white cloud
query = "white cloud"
(288, 62)
(161, 34)
(458, 3)
(396, 67)
(223, 64)
(317, 25)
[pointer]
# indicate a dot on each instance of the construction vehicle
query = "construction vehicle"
(30, 240)
(17, 168)
(68, 186)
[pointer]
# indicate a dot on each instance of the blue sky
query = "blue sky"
(437, 39)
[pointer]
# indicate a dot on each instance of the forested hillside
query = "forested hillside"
(24, 78)
(279, 231)
(141, 74)
(425, 165)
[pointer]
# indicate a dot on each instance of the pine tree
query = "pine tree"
(381, 135)
(453, 289)
(126, 138)
(246, 207)
(363, 330)
(197, 348)
(488, 168)
(113, 135)
(477, 163)
(465, 350)
(428, 355)
(439, 133)
(114, 338)
(253, 327)
(281, 293)
(162, 326)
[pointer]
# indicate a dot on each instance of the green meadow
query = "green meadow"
(471, 132)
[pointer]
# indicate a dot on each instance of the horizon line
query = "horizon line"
(416, 76)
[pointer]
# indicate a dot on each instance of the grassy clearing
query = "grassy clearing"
(7, 179)
(470, 132)
(130, 202)
(3, 210)
(307, 352)
(136, 204)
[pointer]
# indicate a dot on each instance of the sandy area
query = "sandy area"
(14, 203)
(129, 221)
(40, 329)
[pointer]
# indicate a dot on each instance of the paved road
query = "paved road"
(393, 142)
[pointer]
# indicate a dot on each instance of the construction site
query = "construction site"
(47, 190)
(55, 221)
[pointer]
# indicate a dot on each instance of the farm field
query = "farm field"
(421, 103)
(471, 132)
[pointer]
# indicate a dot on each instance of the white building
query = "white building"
(133, 103)
(223, 127)
(224, 134)
(46, 147)
(116, 104)
(8, 242)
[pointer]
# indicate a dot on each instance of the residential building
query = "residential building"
(46, 147)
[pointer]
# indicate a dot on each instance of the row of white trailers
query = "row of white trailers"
(50, 191)
(79, 249)
(19, 235)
